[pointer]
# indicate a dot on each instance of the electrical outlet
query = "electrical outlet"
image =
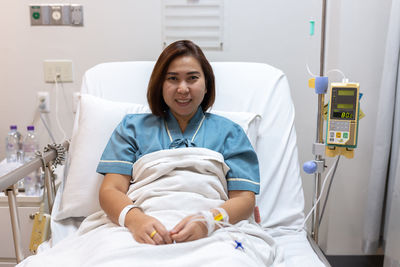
(43, 102)
(60, 70)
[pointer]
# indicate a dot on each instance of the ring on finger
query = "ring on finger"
(153, 234)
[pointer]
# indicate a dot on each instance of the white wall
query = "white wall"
(274, 32)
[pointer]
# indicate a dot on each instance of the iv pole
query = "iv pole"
(319, 131)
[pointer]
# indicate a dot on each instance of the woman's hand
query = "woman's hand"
(113, 199)
(189, 230)
(142, 227)
(239, 206)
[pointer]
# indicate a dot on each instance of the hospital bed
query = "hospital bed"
(255, 95)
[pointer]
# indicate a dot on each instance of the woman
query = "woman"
(180, 90)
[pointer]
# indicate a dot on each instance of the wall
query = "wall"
(274, 32)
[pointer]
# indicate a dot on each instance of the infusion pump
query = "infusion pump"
(342, 119)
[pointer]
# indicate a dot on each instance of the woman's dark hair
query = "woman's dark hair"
(171, 52)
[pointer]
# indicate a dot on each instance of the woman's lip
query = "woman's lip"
(183, 101)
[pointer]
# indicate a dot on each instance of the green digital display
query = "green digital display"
(345, 106)
(343, 115)
(346, 92)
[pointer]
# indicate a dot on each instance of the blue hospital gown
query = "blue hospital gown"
(140, 134)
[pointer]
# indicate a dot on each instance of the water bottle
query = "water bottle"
(12, 144)
(14, 150)
(20, 153)
(30, 146)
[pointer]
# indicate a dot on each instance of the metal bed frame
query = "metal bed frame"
(52, 156)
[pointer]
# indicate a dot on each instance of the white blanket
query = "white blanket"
(168, 185)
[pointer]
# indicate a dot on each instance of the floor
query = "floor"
(355, 261)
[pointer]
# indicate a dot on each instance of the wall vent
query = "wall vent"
(198, 20)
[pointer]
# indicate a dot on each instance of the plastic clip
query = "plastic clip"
(239, 245)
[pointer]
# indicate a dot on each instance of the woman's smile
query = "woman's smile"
(183, 102)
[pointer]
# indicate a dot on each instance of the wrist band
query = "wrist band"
(122, 215)
(222, 216)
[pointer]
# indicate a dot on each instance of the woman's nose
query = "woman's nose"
(183, 88)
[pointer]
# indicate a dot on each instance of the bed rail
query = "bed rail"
(52, 156)
(318, 251)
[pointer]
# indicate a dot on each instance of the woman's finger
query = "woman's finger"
(163, 232)
(147, 239)
(192, 231)
(177, 228)
(182, 235)
(157, 238)
(182, 224)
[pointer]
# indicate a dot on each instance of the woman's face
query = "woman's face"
(184, 87)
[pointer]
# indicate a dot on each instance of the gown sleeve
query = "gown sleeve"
(120, 152)
(242, 160)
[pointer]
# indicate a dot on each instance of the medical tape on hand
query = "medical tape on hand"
(210, 220)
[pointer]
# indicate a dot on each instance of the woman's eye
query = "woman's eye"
(171, 78)
(193, 77)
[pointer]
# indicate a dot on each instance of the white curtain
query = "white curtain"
(392, 241)
(384, 166)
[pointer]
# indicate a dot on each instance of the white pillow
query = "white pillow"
(97, 119)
